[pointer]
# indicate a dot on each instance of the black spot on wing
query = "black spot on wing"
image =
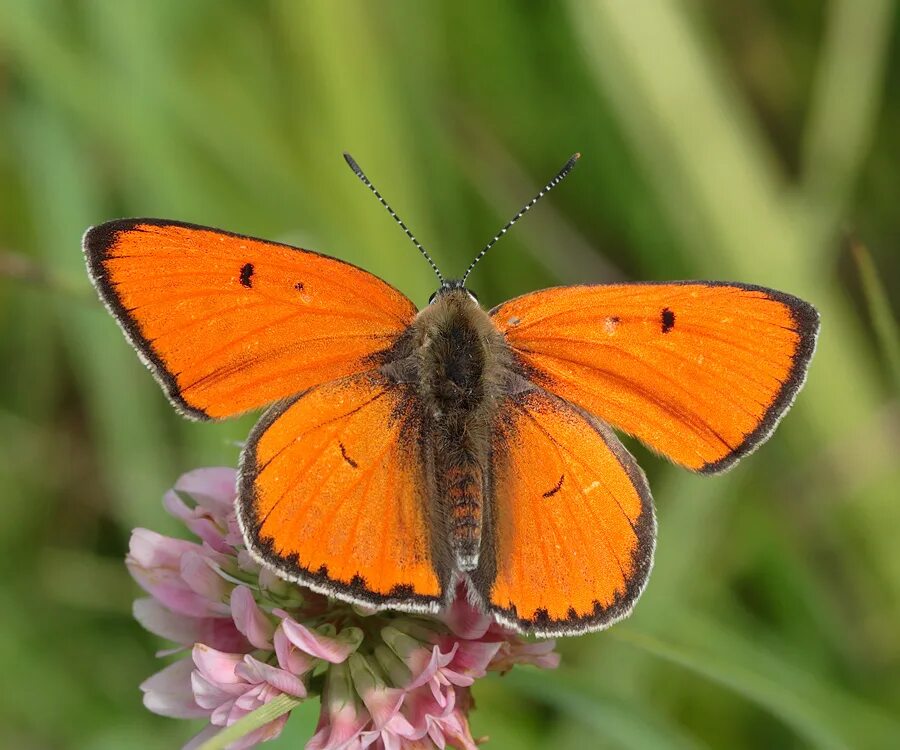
(299, 286)
(246, 275)
(346, 457)
(556, 488)
(668, 320)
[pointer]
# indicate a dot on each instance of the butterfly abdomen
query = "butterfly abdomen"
(457, 366)
(459, 493)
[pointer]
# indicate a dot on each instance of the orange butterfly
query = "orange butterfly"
(410, 452)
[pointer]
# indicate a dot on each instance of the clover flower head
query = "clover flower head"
(386, 680)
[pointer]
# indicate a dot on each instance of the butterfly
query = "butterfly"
(411, 455)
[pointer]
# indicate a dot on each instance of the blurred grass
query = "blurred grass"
(724, 140)
(882, 317)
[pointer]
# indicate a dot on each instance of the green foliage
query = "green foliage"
(721, 140)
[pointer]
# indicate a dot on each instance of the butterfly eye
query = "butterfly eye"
(432, 298)
(472, 295)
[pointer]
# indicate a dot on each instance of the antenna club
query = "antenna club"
(357, 170)
(354, 166)
(570, 165)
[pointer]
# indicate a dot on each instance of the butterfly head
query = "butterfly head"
(453, 286)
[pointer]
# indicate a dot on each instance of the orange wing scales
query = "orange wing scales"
(699, 371)
(331, 495)
(574, 525)
(230, 323)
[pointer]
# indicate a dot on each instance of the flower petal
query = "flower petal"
(214, 697)
(160, 621)
(212, 488)
(455, 728)
(255, 671)
(148, 549)
(464, 619)
(343, 718)
(154, 561)
(171, 591)
(383, 703)
(471, 659)
(290, 657)
(435, 665)
(197, 520)
(249, 618)
(422, 710)
(202, 577)
(169, 693)
(415, 654)
(334, 649)
(216, 666)
(517, 651)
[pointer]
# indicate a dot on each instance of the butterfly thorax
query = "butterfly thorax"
(461, 367)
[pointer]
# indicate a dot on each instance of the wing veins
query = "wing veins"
(268, 378)
(219, 293)
(619, 309)
(287, 269)
(600, 521)
(705, 332)
(690, 419)
(320, 426)
(367, 474)
(588, 469)
(693, 396)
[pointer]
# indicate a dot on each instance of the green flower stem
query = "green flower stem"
(252, 721)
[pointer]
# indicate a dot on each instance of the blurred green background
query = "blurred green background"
(738, 140)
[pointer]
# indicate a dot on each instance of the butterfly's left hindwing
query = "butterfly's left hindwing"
(331, 495)
(573, 523)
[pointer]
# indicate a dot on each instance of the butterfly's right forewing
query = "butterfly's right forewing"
(229, 323)
(332, 494)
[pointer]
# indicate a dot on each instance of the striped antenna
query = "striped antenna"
(560, 176)
(362, 176)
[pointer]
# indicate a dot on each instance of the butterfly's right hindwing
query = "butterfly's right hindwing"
(332, 495)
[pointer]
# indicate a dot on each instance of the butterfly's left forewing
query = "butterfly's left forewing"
(699, 371)
(331, 494)
(573, 524)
